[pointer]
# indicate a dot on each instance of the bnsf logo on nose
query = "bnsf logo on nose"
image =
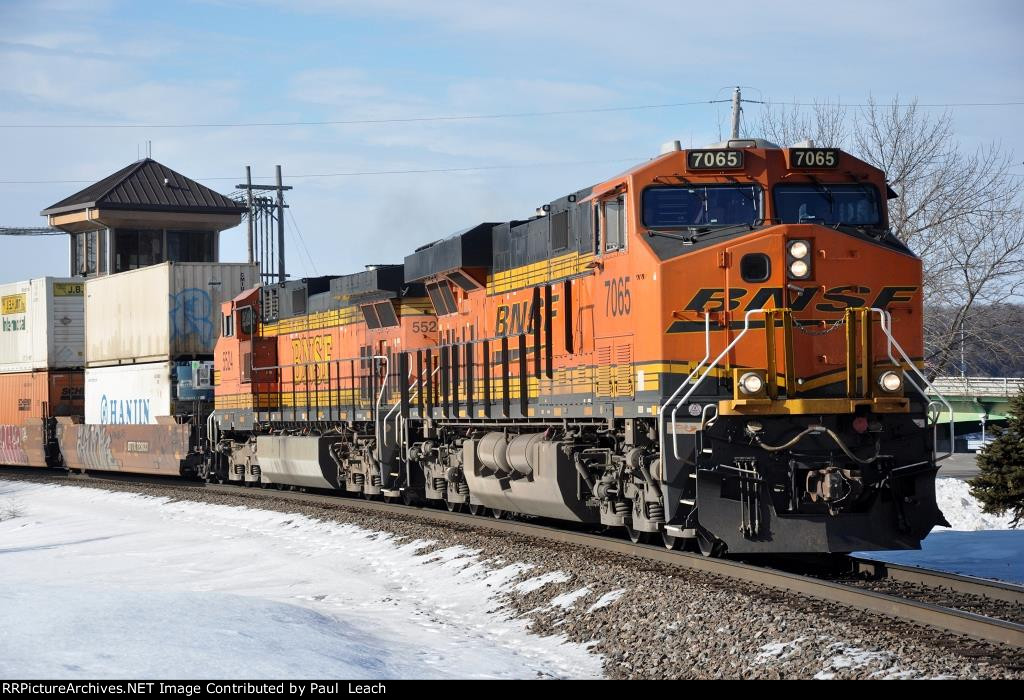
(833, 300)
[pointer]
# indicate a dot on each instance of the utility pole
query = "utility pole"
(963, 352)
(280, 227)
(262, 214)
(248, 201)
(736, 110)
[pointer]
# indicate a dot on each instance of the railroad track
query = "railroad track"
(852, 591)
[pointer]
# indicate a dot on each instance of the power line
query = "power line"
(930, 105)
(482, 117)
(349, 122)
(361, 173)
(302, 242)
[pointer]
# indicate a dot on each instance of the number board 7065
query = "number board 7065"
(814, 158)
(718, 159)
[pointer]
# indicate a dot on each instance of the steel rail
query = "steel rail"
(958, 583)
(921, 613)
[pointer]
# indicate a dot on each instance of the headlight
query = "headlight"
(798, 259)
(751, 383)
(890, 381)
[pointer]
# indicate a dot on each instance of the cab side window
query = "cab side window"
(614, 217)
(245, 321)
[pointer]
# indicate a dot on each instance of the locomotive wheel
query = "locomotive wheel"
(671, 542)
(710, 546)
(498, 514)
(476, 509)
(453, 507)
(637, 536)
(409, 498)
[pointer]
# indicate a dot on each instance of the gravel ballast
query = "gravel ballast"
(652, 620)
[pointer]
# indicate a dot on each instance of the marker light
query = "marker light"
(890, 381)
(751, 383)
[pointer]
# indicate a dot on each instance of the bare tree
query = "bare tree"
(825, 123)
(974, 267)
(960, 211)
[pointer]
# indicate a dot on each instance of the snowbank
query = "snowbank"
(106, 584)
(963, 511)
(977, 544)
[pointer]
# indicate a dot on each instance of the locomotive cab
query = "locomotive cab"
(246, 373)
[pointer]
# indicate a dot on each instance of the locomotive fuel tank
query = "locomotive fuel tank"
(297, 460)
(527, 475)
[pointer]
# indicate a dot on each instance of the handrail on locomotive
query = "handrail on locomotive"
(704, 368)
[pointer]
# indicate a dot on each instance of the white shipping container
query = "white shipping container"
(128, 394)
(42, 324)
(161, 312)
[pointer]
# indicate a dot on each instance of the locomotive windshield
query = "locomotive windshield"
(701, 205)
(856, 205)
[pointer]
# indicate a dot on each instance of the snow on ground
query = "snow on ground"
(962, 510)
(537, 582)
(977, 544)
(847, 657)
(108, 584)
(606, 600)
(779, 651)
(838, 656)
(567, 600)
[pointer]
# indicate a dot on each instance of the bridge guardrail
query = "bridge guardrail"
(1001, 387)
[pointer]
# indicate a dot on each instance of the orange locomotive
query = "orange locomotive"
(302, 368)
(718, 346)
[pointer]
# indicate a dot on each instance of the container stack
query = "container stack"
(150, 336)
(42, 344)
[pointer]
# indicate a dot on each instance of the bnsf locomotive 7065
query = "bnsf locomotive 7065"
(719, 347)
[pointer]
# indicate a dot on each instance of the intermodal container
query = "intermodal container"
(160, 313)
(42, 394)
(138, 394)
(42, 324)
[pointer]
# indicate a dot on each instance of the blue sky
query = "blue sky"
(219, 61)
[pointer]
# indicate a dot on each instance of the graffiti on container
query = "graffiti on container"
(93, 448)
(11, 447)
(190, 315)
(124, 411)
(148, 449)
